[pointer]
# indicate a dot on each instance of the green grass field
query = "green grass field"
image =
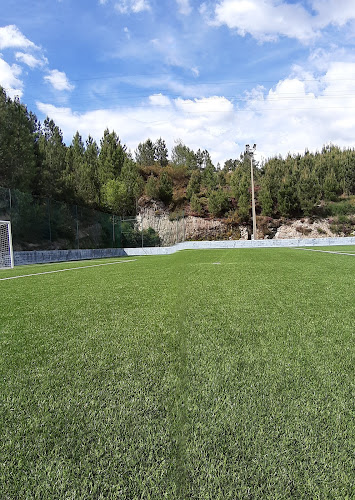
(335, 248)
(176, 377)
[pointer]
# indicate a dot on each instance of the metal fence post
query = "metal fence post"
(142, 231)
(49, 219)
(119, 233)
(77, 226)
(10, 202)
(113, 231)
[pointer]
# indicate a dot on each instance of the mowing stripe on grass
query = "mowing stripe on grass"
(325, 251)
(69, 269)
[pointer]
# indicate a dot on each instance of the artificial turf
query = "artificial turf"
(335, 248)
(204, 374)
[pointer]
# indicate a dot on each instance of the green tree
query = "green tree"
(230, 165)
(194, 184)
(218, 203)
(161, 152)
(145, 153)
(165, 188)
(72, 174)
(182, 155)
(152, 187)
(330, 186)
(287, 200)
(208, 172)
(116, 196)
(133, 182)
(195, 204)
(18, 144)
(244, 198)
(308, 192)
(265, 199)
(90, 188)
(53, 155)
(111, 157)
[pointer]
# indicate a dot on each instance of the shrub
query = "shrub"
(165, 188)
(217, 203)
(151, 188)
(341, 208)
(195, 204)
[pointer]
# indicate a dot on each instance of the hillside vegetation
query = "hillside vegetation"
(106, 176)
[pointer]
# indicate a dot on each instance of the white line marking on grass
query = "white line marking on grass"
(325, 251)
(69, 269)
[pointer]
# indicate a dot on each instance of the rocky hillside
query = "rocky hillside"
(173, 227)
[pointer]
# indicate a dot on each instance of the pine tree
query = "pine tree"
(330, 186)
(53, 154)
(72, 175)
(89, 174)
(308, 191)
(194, 184)
(111, 157)
(287, 199)
(161, 152)
(145, 154)
(182, 155)
(165, 188)
(18, 144)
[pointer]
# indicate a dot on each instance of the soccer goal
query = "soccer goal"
(6, 253)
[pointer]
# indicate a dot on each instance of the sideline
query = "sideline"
(69, 269)
(324, 251)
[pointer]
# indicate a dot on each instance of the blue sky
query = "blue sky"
(216, 74)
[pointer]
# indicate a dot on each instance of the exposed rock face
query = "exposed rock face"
(198, 228)
(305, 229)
(186, 228)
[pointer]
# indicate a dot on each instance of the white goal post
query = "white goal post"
(6, 252)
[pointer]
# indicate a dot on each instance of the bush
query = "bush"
(151, 188)
(165, 188)
(132, 237)
(340, 208)
(218, 203)
(195, 204)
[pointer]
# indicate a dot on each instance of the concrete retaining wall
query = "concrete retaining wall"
(46, 256)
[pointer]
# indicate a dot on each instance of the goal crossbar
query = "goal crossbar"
(6, 250)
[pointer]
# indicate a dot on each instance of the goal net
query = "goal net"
(6, 253)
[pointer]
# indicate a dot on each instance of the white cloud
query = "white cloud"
(59, 80)
(159, 100)
(11, 37)
(265, 19)
(337, 12)
(297, 113)
(184, 7)
(30, 60)
(9, 79)
(201, 123)
(135, 6)
(269, 19)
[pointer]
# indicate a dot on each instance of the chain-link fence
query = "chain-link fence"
(44, 224)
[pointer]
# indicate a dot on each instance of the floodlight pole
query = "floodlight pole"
(250, 152)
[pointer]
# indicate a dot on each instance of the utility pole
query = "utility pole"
(250, 152)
